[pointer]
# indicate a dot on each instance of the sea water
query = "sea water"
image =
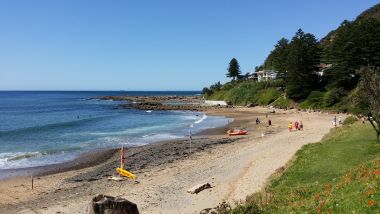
(46, 127)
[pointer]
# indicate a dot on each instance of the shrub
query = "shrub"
(249, 209)
(282, 102)
(350, 120)
(314, 100)
(333, 96)
(267, 96)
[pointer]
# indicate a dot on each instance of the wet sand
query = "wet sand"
(235, 166)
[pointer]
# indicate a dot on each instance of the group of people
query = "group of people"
(334, 122)
(258, 121)
(298, 126)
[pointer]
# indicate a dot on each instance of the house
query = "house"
(251, 76)
(265, 75)
(322, 68)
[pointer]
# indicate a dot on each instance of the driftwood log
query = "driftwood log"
(102, 204)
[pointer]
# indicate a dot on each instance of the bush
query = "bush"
(333, 96)
(282, 102)
(249, 209)
(350, 120)
(267, 96)
(314, 100)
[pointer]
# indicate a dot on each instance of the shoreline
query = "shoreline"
(234, 166)
(84, 160)
(96, 157)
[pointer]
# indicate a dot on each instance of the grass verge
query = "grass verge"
(340, 174)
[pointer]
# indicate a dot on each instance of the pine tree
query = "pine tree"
(277, 59)
(302, 64)
(355, 44)
(233, 69)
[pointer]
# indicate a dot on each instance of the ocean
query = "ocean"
(39, 128)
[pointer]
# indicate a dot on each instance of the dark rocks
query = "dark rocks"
(102, 204)
(198, 188)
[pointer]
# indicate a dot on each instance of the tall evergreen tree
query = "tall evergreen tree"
(302, 64)
(355, 44)
(277, 59)
(233, 69)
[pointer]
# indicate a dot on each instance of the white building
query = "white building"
(266, 75)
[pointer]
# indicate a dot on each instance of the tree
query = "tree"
(302, 64)
(234, 69)
(278, 58)
(206, 91)
(370, 95)
(216, 87)
(352, 46)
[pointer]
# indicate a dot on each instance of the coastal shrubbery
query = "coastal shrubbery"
(341, 174)
(350, 120)
(318, 74)
(248, 93)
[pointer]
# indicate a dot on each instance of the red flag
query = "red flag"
(122, 157)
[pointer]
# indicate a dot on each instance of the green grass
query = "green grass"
(247, 92)
(341, 174)
(282, 102)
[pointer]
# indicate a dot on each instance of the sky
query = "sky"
(149, 45)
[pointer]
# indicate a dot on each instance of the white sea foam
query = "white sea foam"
(129, 131)
(204, 117)
(160, 137)
(13, 160)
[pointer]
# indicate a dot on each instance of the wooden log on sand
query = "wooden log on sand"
(102, 204)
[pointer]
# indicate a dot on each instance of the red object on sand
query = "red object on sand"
(122, 157)
(237, 132)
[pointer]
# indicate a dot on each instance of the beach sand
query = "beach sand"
(234, 166)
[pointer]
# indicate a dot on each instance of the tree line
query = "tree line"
(342, 68)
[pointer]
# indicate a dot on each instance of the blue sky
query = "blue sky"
(149, 45)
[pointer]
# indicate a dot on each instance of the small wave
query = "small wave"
(129, 131)
(24, 156)
(49, 127)
(160, 137)
(204, 117)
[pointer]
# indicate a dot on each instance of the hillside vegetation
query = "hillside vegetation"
(310, 73)
(248, 93)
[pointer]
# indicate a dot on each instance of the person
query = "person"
(334, 123)
(340, 120)
(269, 122)
(301, 126)
(290, 126)
(296, 125)
(257, 120)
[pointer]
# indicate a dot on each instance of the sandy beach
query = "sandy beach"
(234, 166)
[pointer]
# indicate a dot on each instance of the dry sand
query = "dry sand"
(234, 169)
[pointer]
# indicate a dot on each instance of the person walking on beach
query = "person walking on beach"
(257, 121)
(334, 121)
(301, 126)
(290, 126)
(340, 120)
(269, 122)
(296, 125)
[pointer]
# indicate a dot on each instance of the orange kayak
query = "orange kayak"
(237, 132)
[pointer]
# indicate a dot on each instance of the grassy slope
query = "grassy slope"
(339, 175)
(247, 92)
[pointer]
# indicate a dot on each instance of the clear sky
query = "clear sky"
(149, 45)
